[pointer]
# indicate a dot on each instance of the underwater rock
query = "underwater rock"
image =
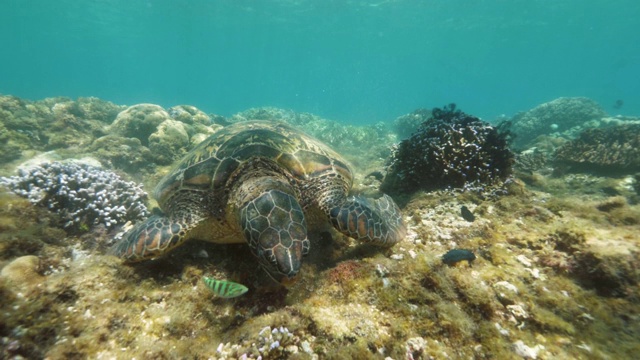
(10, 150)
(526, 352)
(25, 122)
(87, 108)
(608, 266)
(406, 125)
(531, 160)
(83, 195)
(451, 150)
(195, 121)
(189, 115)
(72, 126)
(169, 142)
(139, 121)
(559, 115)
(22, 273)
(612, 149)
(123, 153)
(167, 134)
(54, 122)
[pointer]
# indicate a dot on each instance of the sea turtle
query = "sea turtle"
(255, 182)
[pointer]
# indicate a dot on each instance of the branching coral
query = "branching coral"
(610, 149)
(451, 149)
(82, 194)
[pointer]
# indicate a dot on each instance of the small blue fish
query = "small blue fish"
(224, 288)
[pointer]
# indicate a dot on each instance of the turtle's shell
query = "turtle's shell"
(208, 167)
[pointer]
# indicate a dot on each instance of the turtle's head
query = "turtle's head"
(276, 231)
(282, 262)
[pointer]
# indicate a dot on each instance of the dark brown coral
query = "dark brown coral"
(610, 149)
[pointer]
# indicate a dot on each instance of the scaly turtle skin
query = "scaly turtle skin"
(254, 182)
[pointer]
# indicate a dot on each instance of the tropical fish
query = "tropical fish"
(224, 288)
(467, 214)
(456, 255)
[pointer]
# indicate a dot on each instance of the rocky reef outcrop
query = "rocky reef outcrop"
(359, 144)
(612, 149)
(564, 115)
(407, 124)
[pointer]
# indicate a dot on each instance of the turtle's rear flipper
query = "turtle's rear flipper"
(151, 238)
(377, 221)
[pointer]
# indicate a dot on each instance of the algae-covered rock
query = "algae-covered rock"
(168, 142)
(52, 123)
(26, 123)
(79, 122)
(189, 115)
(407, 124)
(22, 273)
(123, 153)
(139, 121)
(87, 108)
(9, 149)
(25, 229)
(609, 266)
(559, 115)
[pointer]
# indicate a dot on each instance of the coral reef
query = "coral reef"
(189, 115)
(561, 115)
(555, 274)
(123, 153)
(10, 150)
(82, 194)
(406, 125)
(531, 160)
(166, 133)
(139, 121)
(452, 149)
(612, 149)
(169, 142)
(53, 123)
(356, 143)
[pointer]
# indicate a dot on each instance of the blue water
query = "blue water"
(352, 61)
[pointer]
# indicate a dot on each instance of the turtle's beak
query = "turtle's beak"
(286, 261)
(277, 276)
(287, 282)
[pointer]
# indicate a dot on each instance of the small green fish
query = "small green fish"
(224, 288)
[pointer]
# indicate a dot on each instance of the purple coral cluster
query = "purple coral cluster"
(83, 195)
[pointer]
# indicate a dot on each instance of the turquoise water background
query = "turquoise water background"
(351, 61)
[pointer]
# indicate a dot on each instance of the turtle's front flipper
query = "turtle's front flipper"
(275, 228)
(376, 221)
(151, 238)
